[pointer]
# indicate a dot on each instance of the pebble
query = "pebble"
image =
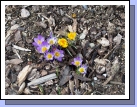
(104, 75)
(104, 32)
(82, 36)
(25, 13)
(95, 78)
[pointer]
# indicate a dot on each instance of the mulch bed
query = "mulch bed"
(100, 43)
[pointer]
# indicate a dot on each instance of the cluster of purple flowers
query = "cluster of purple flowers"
(78, 63)
(46, 47)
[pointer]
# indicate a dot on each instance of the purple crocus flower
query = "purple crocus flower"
(77, 61)
(83, 69)
(58, 54)
(44, 47)
(49, 56)
(38, 41)
(52, 40)
(51, 34)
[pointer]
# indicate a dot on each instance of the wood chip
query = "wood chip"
(17, 36)
(21, 89)
(117, 39)
(83, 35)
(71, 86)
(14, 27)
(14, 61)
(101, 61)
(41, 24)
(43, 72)
(42, 79)
(74, 26)
(70, 28)
(103, 41)
(23, 74)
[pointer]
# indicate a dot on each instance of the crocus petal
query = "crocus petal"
(39, 49)
(59, 59)
(40, 37)
(46, 56)
(35, 40)
(72, 63)
(76, 60)
(51, 34)
(35, 44)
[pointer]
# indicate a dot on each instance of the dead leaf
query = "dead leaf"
(23, 74)
(76, 83)
(17, 36)
(117, 39)
(21, 89)
(74, 26)
(70, 28)
(71, 86)
(14, 61)
(83, 35)
(103, 41)
(14, 27)
(64, 80)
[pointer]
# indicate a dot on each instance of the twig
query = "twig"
(69, 52)
(114, 82)
(20, 48)
(17, 54)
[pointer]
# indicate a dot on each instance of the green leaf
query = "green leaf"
(57, 72)
(59, 91)
(77, 71)
(41, 89)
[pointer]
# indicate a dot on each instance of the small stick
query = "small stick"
(73, 52)
(17, 54)
(114, 82)
(20, 48)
